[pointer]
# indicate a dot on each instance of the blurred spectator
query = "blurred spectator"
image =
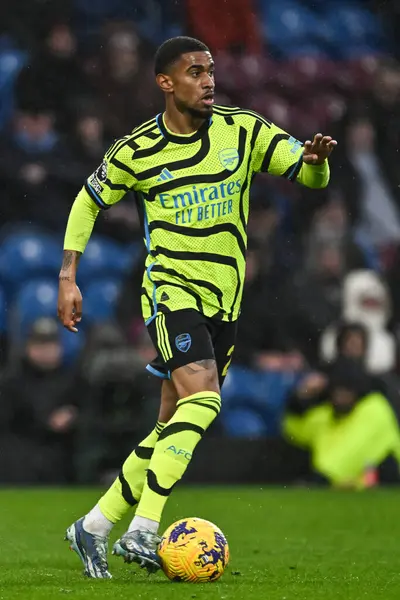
(348, 427)
(352, 342)
(38, 411)
(366, 301)
(379, 208)
(32, 171)
(123, 80)
(385, 116)
(28, 21)
(54, 77)
(264, 340)
(120, 398)
(129, 311)
(88, 141)
(312, 296)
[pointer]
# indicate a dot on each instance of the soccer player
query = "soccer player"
(191, 169)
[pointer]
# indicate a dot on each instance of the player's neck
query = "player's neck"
(181, 123)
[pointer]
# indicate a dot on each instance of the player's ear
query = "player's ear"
(165, 83)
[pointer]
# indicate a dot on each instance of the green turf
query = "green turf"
(285, 544)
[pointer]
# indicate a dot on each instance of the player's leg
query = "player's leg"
(88, 536)
(199, 403)
(126, 490)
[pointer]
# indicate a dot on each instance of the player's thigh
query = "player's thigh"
(224, 346)
(185, 351)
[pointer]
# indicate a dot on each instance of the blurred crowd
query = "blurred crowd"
(321, 309)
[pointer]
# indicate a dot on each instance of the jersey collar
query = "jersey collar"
(182, 139)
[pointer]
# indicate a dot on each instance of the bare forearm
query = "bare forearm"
(69, 265)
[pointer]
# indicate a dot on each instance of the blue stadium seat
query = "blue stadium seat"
(243, 422)
(26, 255)
(357, 31)
(104, 258)
(262, 391)
(39, 299)
(288, 26)
(99, 302)
(34, 299)
(72, 344)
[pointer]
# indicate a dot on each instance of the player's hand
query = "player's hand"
(318, 150)
(69, 308)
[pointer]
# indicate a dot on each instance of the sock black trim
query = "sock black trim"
(126, 490)
(214, 408)
(178, 427)
(159, 427)
(191, 399)
(143, 452)
(155, 486)
(197, 401)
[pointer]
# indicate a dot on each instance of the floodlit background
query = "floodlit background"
(323, 278)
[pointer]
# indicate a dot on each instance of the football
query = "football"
(193, 550)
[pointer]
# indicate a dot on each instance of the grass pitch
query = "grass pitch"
(285, 544)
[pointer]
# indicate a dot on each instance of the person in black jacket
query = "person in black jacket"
(38, 412)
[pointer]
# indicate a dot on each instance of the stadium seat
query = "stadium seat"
(356, 31)
(100, 300)
(34, 299)
(72, 344)
(356, 76)
(262, 391)
(26, 255)
(302, 71)
(39, 299)
(243, 422)
(288, 27)
(104, 258)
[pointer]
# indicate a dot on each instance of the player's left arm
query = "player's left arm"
(278, 153)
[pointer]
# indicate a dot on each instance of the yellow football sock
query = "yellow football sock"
(126, 490)
(174, 448)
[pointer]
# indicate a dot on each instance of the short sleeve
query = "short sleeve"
(276, 152)
(114, 177)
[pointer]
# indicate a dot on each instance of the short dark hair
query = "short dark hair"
(172, 49)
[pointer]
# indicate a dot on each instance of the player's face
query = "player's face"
(192, 84)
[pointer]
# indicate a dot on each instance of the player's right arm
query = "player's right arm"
(105, 187)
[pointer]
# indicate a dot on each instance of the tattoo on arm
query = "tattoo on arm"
(69, 255)
(200, 365)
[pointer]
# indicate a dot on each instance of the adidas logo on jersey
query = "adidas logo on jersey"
(165, 175)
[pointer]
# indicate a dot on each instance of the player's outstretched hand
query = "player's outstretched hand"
(318, 150)
(69, 308)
